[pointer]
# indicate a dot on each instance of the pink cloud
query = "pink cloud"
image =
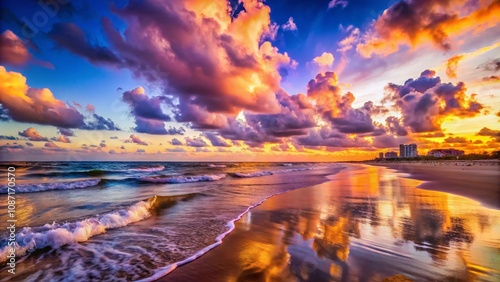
(13, 51)
(32, 135)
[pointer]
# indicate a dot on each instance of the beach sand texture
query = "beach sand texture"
(478, 180)
(367, 224)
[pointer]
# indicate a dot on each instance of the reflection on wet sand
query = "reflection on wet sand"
(367, 224)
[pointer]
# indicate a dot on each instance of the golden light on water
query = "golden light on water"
(372, 215)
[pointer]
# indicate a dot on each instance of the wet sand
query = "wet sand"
(367, 224)
(476, 180)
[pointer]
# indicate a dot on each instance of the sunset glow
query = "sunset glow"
(247, 80)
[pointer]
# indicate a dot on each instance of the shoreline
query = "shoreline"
(219, 240)
(241, 256)
(455, 177)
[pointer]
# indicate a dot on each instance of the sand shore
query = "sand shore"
(478, 180)
(367, 224)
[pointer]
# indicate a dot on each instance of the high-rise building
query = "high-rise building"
(408, 150)
(391, 155)
(380, 155)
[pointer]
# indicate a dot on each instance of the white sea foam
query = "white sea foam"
(265, 173)
(230, 225)
(253, 174)
(216, 165)
(292, 170)
(28, 188)
(56, 235)
(184, 179)
(148, 169)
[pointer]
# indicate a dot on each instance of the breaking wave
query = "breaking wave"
(56, 235)
(29, 188)
(184, 178)
(217, 165)
(265, 173)
(148, 169)
(252, 174)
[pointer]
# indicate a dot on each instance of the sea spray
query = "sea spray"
(56, 235)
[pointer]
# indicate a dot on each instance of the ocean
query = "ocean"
(121, 221)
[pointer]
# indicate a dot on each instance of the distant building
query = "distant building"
(439, 153)
(391, 155)
(408, 150)
(381, 155)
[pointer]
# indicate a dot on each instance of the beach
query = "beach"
(368, 223)
(166, 221)
(478, 180)
(116, 221)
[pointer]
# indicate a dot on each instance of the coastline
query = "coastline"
(321, 176)
(477, 180)
(262, 245)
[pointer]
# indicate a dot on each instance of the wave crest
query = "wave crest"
(252, 174)
(184, 178)
(56, 235)
(148, 169)
(30, 188)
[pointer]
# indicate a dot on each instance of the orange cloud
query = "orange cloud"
(325, 60)
(26, 104)
(33, 135)
(412, 23)
(216, 64)
(451, 66)
(62, 139)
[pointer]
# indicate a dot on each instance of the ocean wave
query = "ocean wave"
(147, 169)
(292, 170)
(30, 188)
(56, 235)
(216, 165)
(252, 174)
(184, 178)
(230, 227)
(266, 172)
(93, 172)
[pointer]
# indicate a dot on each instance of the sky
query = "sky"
(246, 80)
